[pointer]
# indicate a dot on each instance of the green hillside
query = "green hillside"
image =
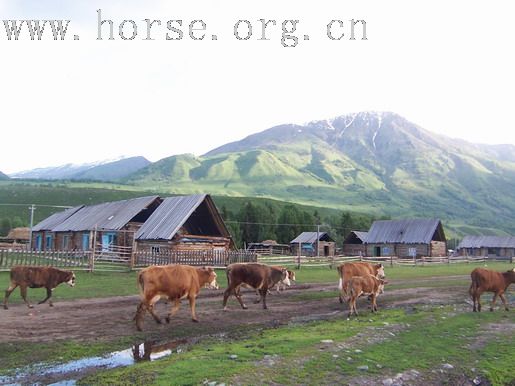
(377, 163)
(3, 176)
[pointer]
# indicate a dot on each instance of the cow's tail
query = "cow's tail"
(228, 274)
(340, 284)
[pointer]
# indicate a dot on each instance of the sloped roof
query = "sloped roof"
(173, 213)
(19, 234)
(487, 242)
(52, 221)
(310, 237)
(361, 235)
(355, 237)
(408, 231)
(110, 215)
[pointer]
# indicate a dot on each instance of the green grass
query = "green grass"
(427, 340)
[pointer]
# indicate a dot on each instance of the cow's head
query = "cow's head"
(285, 277)
(291, 276)
(511, 275)
(71, 279)
(379, 269)
(211, 279)
(382, 283)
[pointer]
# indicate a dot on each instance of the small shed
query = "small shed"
(308, 241)
(270, 247)
(19, 235)
(491, 246)
(354, 244)
(184, 223)
(406, 238)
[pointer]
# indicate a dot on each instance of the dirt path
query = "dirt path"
(111, 318)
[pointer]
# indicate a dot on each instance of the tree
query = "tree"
(5, 226)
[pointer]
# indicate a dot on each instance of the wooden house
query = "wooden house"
(354, 244)
(184, 223)
(406, 238)
(308, 242)
(491, 246)
(109, 225)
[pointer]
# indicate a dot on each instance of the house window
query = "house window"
(66, 242)
(108, 240)
(386, 251)
(494, 251)
(155, 249)
(85, 241)
(412, 252)
(39, 240)
(48, 242)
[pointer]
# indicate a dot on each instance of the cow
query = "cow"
(258, 276)
(173, 282)
(348, 270)
(485, 280)
(281, 285)
(37, 277)
(364, 285)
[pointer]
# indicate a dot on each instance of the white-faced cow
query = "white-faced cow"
(258, 276)
(349, 270)
(485, 280)
(173, 282)
(281, 285)
(364, 285)
(37, 277)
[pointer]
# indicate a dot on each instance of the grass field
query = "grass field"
(397, 340)
(106, 284)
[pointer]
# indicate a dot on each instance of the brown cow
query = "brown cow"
(348, 270)
(37, 277)
(485, 280)
(173, 282)
(281, 285)
(258, 276)
(364, 285)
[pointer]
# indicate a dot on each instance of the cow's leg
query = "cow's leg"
(263, 293)
(472, 292)
(23, 291)
(352, 306)
(173, 309)
(140, 313)
(191, 298)
(150, 308)
(48, 295)
(478, 299)
(238, 296)
(503, 298)
(373, 298)
(494, 299)
(8, 292)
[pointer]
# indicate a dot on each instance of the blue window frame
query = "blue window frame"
(108, 240)
(85, 241)
(39, 242)
(48, 242)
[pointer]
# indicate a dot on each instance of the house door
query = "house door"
(107, 241)
(377, 251)
(326, 250)
(85, 241)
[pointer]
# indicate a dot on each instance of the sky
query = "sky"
(445, 65)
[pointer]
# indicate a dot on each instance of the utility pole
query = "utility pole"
(318, 239)
(32, 208)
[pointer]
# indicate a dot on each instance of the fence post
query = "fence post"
(133, 253)
(391, 261)
(92, 257)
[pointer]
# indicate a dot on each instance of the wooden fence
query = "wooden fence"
(334, 261)
(78, 260)
(216, 259)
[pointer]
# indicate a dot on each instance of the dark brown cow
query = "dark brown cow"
(358, 268)
(173, 282)
(258, 276)
(37, 277)
(485, 280)
(364, 285)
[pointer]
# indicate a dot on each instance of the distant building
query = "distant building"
(354, 244)
(492, 246)
(270, 247)
(19, 235)
(406, 238)
(307, 241)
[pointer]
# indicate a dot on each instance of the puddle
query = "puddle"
(62, 374)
